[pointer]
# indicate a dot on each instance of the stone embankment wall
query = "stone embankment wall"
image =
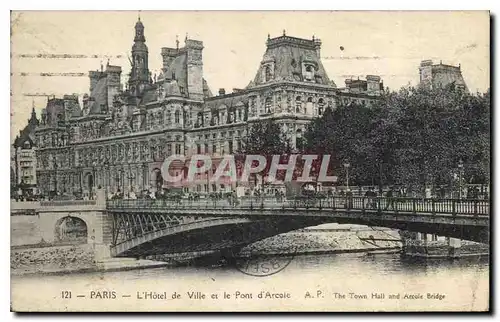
(52, 259)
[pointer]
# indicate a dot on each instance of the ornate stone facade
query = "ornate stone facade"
(120, 137)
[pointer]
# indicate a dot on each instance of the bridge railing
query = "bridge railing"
(379, 204)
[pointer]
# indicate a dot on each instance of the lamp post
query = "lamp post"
(346, 166)
(460, 175)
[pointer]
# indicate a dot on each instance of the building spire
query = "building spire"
(139, 15)
(284, 32)
(177, 41)
(139, 31)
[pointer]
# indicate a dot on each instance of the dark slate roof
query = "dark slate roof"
(172, 88)
(443, 75)
(27, 134)
(288, 53)
(99, 94)
(149, 95)
(77, 112)
(178, 70)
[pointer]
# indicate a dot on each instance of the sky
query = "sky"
(354, 44)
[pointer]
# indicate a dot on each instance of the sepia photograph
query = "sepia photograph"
(250, 161)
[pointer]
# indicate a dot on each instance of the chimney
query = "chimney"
(222, 91)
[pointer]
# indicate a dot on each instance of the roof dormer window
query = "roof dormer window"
(269, 76)
(268, 71)
(309, 74)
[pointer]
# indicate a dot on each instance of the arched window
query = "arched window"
(268, 105)
(199, 120)
(309, 106)
(309, 73)
(299, 140)
(177, 117)
(160, 117)
(298, 104)
(321, 106)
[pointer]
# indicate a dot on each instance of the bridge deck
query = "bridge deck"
(356, 204)
(142, 223)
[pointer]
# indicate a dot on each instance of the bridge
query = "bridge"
(146, 226)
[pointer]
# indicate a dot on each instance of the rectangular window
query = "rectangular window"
(214, 148)
(206, 147)
(198, 148)
(177, 148)
(230, 147)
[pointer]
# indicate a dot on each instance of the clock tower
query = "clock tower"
(139, 74)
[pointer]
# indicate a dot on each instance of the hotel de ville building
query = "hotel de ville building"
(116, 137)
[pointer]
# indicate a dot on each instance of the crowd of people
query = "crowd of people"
(371, 194)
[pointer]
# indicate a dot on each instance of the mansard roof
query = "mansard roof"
(289, 57)
(98, 96)
(178, 70)
(27, 134)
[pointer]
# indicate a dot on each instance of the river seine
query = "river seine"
(332, 282)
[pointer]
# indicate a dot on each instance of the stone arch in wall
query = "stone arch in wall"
(71, 229)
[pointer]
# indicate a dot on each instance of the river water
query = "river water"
(331, 282)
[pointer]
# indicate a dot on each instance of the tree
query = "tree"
(413, 137)
(263, 138)
(346, 134)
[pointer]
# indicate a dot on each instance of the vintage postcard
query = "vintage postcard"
(175, 161)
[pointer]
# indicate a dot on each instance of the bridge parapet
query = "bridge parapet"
(150, 225)
(380, 204)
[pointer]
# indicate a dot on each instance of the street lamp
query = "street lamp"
(460, 175)
(346, 166)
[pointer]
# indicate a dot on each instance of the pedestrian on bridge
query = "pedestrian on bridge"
(349, 199)
(390, 198)
(371, 195)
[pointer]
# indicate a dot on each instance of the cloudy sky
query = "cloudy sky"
(389, 44)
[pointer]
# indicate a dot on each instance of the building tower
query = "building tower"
(139, 75)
